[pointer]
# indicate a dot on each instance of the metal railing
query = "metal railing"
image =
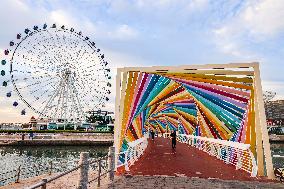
(133, 153)
(103, 166)
(235, 153)
(24, 171)
(44, 182)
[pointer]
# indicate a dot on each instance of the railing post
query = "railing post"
(200, 144)
(126, 161)
(254, 166)
(99, 173)
(44, 185)
(227, 157)
(111, 162)
(219, 152)
(83, 171)
(18, 174)
(50, 168)
(239, 163)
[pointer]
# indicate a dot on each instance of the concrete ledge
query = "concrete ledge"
(43, 142)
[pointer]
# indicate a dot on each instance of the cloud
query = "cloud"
(264, 17)
(123, 32)
(196, 5)
(256, 22)
(62, 17)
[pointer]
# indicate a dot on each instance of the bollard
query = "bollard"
(44, 183)
(106, 162)
(18, 174)
(99, 173)
(83, 171)
(111, 162)
(50, 168)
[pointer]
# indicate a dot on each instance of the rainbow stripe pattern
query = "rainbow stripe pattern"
(213, 102)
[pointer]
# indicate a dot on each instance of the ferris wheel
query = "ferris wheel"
(57, 72)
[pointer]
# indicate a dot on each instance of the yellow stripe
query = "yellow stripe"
(214, 77)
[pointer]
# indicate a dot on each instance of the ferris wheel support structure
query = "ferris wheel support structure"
(67, 95)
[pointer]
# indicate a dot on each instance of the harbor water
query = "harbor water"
(35, 160)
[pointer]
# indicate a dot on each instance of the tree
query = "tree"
(268, 95)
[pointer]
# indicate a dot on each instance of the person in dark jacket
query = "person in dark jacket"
(31, 136)
(174, 139)
(152, 134)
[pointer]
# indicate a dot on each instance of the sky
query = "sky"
(159, 33)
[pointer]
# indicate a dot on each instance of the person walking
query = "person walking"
(152, 134)
(31, 136)
(174, 139)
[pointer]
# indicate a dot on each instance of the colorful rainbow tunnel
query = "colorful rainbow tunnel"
(213, 102)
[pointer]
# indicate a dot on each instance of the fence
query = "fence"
(56, 136)
(26, 171)
(103, 166)
(237, 154)
(134, 151)
(26, 168)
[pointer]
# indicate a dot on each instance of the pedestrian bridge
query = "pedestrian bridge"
(217, 110)
(193, 157)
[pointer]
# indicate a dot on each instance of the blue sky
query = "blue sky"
(162, 32)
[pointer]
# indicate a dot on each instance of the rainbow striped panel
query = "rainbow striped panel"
(199, 103)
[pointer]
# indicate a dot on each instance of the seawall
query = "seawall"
(38, 142)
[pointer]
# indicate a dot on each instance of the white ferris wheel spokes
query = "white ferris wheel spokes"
(58, 72)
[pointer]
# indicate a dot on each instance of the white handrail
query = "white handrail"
(230, 152)
(134, 151)
(221, 142)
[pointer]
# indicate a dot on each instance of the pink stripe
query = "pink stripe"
(134, 97)
(182, 101)
(144, 85)
(228, 89)
(213, 89)
(234, 102)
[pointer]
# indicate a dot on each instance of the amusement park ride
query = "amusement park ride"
(58, 73)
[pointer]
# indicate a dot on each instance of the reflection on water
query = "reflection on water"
(36, 160)
(277, 150)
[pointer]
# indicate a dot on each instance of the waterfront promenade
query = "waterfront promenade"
(41, 139)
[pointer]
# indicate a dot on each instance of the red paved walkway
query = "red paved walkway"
(160, 159)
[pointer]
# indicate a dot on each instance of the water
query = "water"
(36, 160)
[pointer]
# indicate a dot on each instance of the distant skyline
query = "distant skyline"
(157, 33)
